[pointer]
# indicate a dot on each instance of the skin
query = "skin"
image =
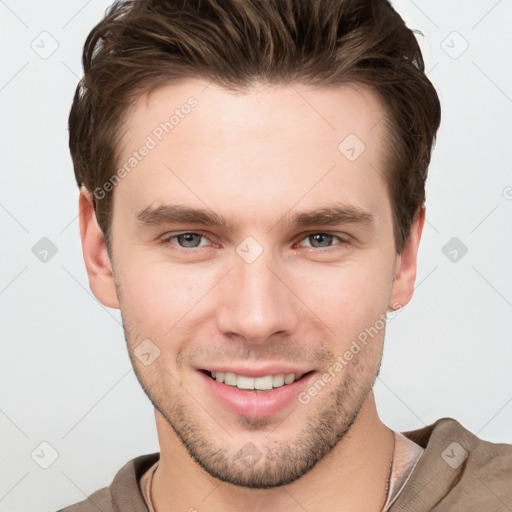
(253, 158)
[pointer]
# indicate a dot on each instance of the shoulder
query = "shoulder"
(488, 465)
(123, 494)
(457, 442)
(457, 471)
(99, 500)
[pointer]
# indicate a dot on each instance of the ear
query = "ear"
(406, 264)
(94, 249)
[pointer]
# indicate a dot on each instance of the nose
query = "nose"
(257, 302)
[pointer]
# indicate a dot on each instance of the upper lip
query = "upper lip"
(261, 371)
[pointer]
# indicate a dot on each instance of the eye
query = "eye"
(188, 240)
(319, 240)
(193, 240)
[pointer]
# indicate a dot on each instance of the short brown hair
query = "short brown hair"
(143, 44)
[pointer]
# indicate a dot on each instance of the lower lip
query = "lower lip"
(254, 404)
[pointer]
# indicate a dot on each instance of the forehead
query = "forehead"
(274, 143)
(264, 107)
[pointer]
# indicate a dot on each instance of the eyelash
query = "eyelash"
(342, 241)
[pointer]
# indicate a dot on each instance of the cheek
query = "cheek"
(157, 296)
(162, 298)
(348, 296)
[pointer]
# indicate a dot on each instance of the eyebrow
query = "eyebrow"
(330, 215)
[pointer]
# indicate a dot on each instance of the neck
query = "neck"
(353, 476)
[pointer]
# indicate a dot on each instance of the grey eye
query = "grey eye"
(323, 240)
(188, 239)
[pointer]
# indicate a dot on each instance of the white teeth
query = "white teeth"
(278, 381)
(245, 382)
(261, 383)
(230, 379)
(288, 379)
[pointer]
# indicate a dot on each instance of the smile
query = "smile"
(261, 395)
(264, 383)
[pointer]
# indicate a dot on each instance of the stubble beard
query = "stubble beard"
(275, 462)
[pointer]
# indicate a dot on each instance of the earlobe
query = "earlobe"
(406, 265)
(96, 257)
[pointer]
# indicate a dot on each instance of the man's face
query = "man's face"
(263, 295)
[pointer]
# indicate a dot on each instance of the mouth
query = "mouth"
(260, 395)
(263, 383)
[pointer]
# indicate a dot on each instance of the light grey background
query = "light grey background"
(65, 373)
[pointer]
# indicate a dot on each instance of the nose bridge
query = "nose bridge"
(255, 303)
